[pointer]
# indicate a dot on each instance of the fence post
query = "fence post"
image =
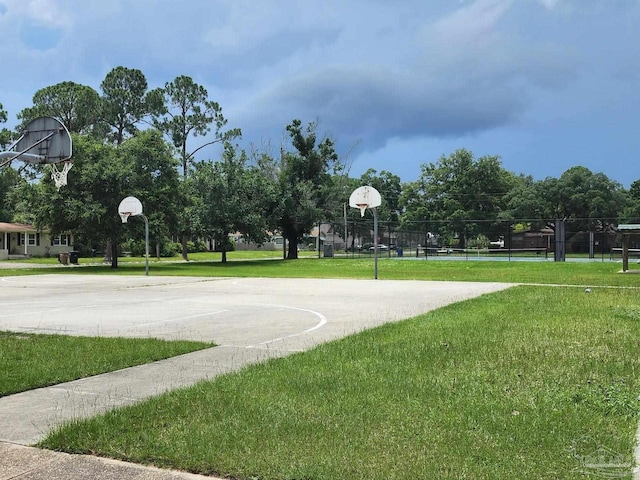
(559, 251)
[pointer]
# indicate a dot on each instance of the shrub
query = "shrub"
(481, 241)
(170, 249)
(135, 247)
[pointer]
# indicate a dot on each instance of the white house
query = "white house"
(19, 240)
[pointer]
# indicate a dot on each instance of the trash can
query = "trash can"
(63, 258)
(73, 257)
(399, 251)
(328, 250)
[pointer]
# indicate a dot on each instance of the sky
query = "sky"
(543, 84)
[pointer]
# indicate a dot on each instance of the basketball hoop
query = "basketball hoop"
(132, 207)
(368, 197)
(44, 141)
(60, 176)
(362, 207)
(365, 197)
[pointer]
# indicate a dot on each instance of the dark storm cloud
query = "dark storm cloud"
(526, 78)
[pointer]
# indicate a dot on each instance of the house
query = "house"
(20, 240)
(530, 239)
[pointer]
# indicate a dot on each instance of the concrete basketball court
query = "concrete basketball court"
(290, 314)
(251, 319)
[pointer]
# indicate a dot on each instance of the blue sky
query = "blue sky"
(544, 84)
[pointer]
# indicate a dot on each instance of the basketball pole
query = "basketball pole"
(368, 197)
(125, 216)
(375, 242)
(132, 207)
(146, 244)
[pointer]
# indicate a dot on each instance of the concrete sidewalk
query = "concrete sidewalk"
(18, 462)
(277, 316)
(28, 416)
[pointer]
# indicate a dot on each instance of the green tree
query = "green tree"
(10, 180)
(156, 182)
(126, 101)
(190, 113)
(462, 194)
(76, 106)
(390, 188)
(307, 192)
(632, 213)
(102, 176)
(5, 135)
(231, 197)
(579, 196)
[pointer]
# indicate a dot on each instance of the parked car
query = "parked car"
(381, 246)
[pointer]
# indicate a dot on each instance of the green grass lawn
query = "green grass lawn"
(573, 273)
(31, 361)
(515, 384)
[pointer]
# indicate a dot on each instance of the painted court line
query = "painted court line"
(320, 324)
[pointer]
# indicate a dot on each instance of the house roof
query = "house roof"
(629, 228)
(16, 227)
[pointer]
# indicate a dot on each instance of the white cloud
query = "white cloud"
(381, 72)
(49, 13)
(550, 4)
(471, 24)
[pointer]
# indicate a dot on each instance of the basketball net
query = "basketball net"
(363, 208)
(60, 176)
(124, 216)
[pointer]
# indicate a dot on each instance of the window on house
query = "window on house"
(32, 239)
(60, 240)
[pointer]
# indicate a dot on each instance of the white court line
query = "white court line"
(320, 324)
(178, 319)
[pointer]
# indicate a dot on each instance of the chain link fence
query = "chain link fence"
(526, 239)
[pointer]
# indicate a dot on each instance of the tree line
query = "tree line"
(132, 140)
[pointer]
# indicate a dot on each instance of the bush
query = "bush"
(481, 241)
(135, 247)
(194, 246)
(170, 249)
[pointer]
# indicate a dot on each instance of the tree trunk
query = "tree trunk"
(107, 252)
(185, 248)
(293, 248)
(114, 255)
(224, 256)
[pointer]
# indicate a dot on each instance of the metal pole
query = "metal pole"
(375, 243)
(146, 241)
(345, 227)
(625, 252)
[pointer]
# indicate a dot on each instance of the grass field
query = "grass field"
(508, 385)
(578, 273)
(34, 361)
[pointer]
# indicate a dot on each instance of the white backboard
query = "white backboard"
(365, 197)
(129, 207)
